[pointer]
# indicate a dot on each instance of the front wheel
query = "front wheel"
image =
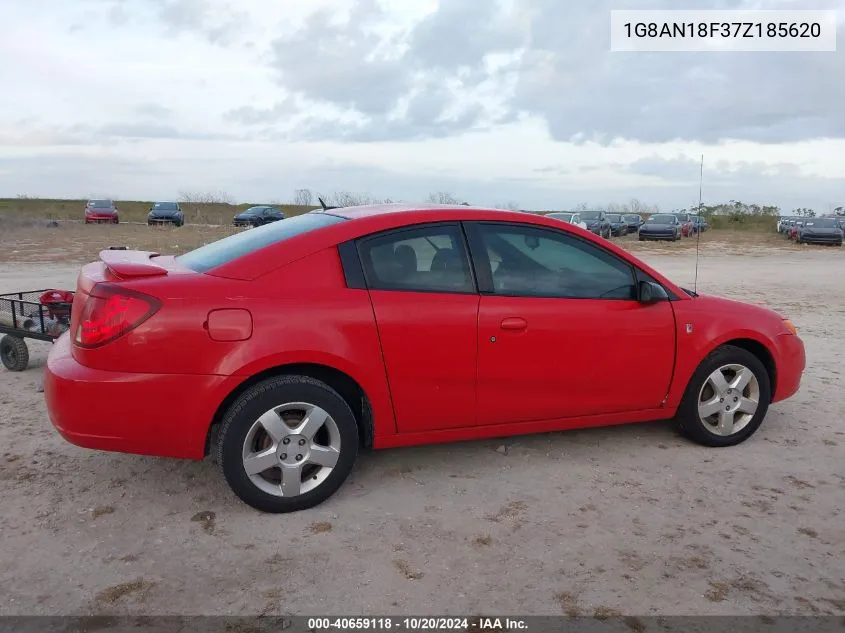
(287, 444)
(726, 399)
(14, 353)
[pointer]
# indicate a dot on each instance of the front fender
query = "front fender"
(694, 347)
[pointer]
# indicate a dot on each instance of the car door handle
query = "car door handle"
(514, 323)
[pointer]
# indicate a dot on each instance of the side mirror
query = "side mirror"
(650, 292)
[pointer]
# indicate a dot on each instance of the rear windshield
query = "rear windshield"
(561, 216)
(612, 217)
(590, 215)
(230, 248)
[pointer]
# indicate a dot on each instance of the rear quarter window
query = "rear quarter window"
(230, 248)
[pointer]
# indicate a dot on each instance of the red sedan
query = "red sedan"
(99, 211)
(284, 349)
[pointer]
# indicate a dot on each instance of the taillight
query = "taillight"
(110, 312)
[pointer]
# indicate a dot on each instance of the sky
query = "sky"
(498, 102)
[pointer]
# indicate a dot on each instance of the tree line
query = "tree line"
(307, 197)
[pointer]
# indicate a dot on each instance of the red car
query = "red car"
(284, 349)
(100, 211)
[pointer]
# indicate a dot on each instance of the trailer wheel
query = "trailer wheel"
(14, 353)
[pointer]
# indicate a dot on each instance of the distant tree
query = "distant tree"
(348, 199)
(206, 197)
(804, 212)
(195, 201)
(443, 197)
(303, 197)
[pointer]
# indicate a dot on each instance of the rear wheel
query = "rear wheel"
(287, 444)
(726, 399)
(14, 353)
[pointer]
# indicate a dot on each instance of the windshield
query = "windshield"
(663, 219)
(566, 217)
(682, 217)
(231, 248)
(823, 223)
(100, 204)
(632, 218)
(591, 215)
(254, 211)
(612, 217)
(165, 206)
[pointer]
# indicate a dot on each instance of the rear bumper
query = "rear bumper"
(165, 415)
(790, 362)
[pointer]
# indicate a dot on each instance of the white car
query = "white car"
(571, 218)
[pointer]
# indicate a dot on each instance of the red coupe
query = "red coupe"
(284, 349)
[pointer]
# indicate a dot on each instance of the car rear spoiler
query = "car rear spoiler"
(125, 263)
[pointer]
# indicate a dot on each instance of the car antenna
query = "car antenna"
(323, 204)
(698, 220)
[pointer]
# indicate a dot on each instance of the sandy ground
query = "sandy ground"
(631, 519)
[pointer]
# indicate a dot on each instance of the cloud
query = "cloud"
(497, 100)
(569, 77)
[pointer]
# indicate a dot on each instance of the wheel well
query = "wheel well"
(763, 355)
(347, 387)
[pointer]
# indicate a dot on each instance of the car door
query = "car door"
(426, 307)
(560, 330)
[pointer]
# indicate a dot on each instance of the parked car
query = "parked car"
(101, 211)
(701, 224)
(618, 225)
(787, 225)
(792, 232)
(307, 339)
(597, 223)
(687, 225)
(819, 231)
(166, 213)
(570, 218)
(662, 226)
(257, 216)
(634, 221)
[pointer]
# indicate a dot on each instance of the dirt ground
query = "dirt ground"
(630, 519)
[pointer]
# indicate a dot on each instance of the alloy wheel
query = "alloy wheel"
(728, 399)
(291, 449)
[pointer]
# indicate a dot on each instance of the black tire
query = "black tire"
(262, 397)
(14, 353)
(642, 239)
(689, 422)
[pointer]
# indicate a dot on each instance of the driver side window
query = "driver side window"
(529, 261)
